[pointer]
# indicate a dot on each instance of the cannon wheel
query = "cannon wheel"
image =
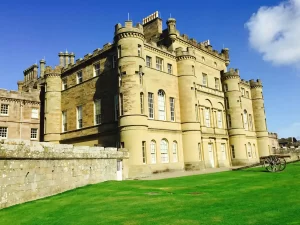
(272, 164)
(282, 164)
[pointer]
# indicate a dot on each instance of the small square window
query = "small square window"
(170, 68)
(148, 61)
(33, 134)
(79, 77)
(4, 109)
(204, 79)
(159, 63)
(3, 132)
(34, 113)
(64, 84)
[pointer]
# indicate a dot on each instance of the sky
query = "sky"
(263, 38)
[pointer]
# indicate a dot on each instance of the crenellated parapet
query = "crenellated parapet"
(50, 72)
(256, 84)
(272, 135)
(231, 74)
(245, 82)
(185, 55)
(129, 31)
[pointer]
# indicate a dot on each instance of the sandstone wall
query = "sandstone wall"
(36, 170)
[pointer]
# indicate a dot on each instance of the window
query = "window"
(97, 114)
(4, 109)
(33, 134)
(225, 87)
(219, 117)
(3, 132)
(144, 152)
(245, 120)
(232, 151)
(164, 151)
(161, 105)
(159, 63)
(150, 105)
(97, 69)
(140, 50)
(227, 102)
(203, 59)
(141, 74)
(193, 70)
(172, 109)
(121, 105)
(148, 61)
(215, 64)
(228, 121)
(64, 84)
(223, 152)
(249, 150)
(79, 117)
(254, 151)
(196, 113)
(207, 117)
(119, 51)
(116, 103)
(175, 156)
(217, 83)
(243, 91)
(247, 94)
(169, 68)
(34, 113)
(142, 102)
(204, 79)
(250, 122)
(64, 121)
(79, 77)
(114, 61)
(199, 151)
(153, 151)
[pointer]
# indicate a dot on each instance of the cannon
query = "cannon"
(274, 163)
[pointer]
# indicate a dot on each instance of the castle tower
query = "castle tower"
(133, 120)
(236, 131)
(171, 23)
(259, 118)
(191, 134)
(52, 123)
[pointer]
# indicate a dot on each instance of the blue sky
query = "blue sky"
(32, 30)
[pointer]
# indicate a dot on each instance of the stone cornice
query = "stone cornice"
(52, 75)
(231, 76)
(160, 51)
(127, 34)
(20, 100)
(185, 57)
(256, 86)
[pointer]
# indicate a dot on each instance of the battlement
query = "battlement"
(189, 52)
(128, 28)
(49, 71)
(31, 73)
(231, 74)
(272, 135)
(32, 95)
(245, 82)
(255, 84)
(150, 18)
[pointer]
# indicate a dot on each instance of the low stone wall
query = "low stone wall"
(30, 171)
(292, 152)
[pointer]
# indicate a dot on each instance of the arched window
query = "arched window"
(174, 150)
(207, 117)
(153, 151)
(164, 151)
(161, 105)
(245, 118)
(249, 150)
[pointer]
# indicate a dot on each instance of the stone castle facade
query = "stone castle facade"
(168, 99)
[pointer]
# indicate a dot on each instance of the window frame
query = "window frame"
(161, 105)
(207, 117)
(144, 152)
(170, 68)
(172, 109)
(64, 121)
(159, 63)
(4, 111)
(151, 105)
(96, 72)
(37, 113)
(219, 119)
(150, 61)
(64, 84)
(205, 84)
(175, 151)
(217, 83)
(97, 117)
(153, 152)
(33, 135)
(79, 77)
(3, 130)
(164, 151)
(79, 120)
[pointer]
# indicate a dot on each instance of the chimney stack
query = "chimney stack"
(72, 58)
(42, 67)
(61, 58)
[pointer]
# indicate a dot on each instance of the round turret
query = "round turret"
(171, 23)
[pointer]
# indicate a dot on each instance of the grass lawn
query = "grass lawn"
(249, 196)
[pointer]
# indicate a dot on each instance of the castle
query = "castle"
(168, 99)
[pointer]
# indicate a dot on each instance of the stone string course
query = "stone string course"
(40, 169)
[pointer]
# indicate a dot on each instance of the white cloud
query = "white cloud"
(275, 33)
(292, 130)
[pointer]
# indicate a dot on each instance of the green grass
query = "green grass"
(249, 196)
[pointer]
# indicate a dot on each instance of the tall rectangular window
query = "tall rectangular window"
(220, 121)
(174, 149)
(116, 103)
(232, 151)
(64, 84)
(159, 63)
(79, 77)
(243, 91)
(148, 61)
(142, 102)
(119, 51)
(228, 121)
(153, 151)
(34, 113)
(207, 117)
(4, 109)
(193, 70)
(250, 122)
(97, 114)
(204, 79)
(3, 132)
(121, 105)
(144, 152)
(64, 121)
(141, 74)
(217, 82)
(79, 117)
(33, 134)
(114, 61)
(223, 152)
(172, 109)
(150, 105)
(169, 68)
(140, 50)
(225, 87)
(199, 151)
(226, 103)
(96, 69)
